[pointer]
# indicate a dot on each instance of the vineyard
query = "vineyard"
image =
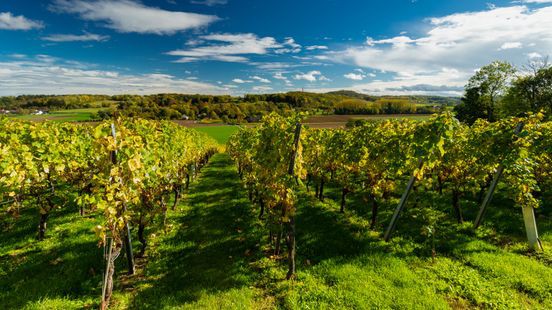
(277, 158)
(437, 213)
(125, 171)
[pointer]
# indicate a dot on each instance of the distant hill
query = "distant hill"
(352, 94)
(419, 99)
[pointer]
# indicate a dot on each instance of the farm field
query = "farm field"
(339, 121)
(73, 115)
(213, 256)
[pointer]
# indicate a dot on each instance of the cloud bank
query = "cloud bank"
(130, 16)
(48, 75)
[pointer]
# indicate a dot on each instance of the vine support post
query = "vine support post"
(531, 228)
(488, 196)
(291, 222)
(492, 188)
(104, 303)
(401, 205)
(297, 136)
(127, 241)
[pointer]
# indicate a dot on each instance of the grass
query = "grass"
(73, 115)
(214, 256)
(219, 133)
(64, 271)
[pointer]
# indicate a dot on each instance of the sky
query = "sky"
(387, 47)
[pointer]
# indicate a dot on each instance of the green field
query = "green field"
(220, 133)
(214, 256)
(74, 115)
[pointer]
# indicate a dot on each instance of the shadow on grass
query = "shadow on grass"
(66, 266)
(210, 250)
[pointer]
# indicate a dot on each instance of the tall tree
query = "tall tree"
(485, 90)
(531, 91)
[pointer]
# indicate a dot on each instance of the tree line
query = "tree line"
(227, 108)
(499, 90)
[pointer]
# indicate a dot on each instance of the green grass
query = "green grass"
(219, 133)
(64, 271)
(215, 256)
(63, 115)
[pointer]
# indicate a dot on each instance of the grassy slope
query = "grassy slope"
(214, 257)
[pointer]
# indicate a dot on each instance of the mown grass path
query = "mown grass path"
(204, 261)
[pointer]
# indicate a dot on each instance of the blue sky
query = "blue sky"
(259, 46)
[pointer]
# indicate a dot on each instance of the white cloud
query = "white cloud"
(510, 45)
(460, 42)
(210, 2)
(8, 21)
(75, 38)
(359, 76)
(311, 76)
(240, 81)
(536, 1)
(280, 76)
(316, 47)
(322, 57)
(48, 75)
(463, 40)
(228, 47)
(534, 55)
(446, 82)
(131, 16)
(262, 88)
(260, 79)
(354, 76)
(291, 47)
(276, 65)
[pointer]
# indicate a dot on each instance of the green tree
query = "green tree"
(531, 92)
(485, 91)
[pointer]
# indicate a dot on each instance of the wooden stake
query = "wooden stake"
(401, 205)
